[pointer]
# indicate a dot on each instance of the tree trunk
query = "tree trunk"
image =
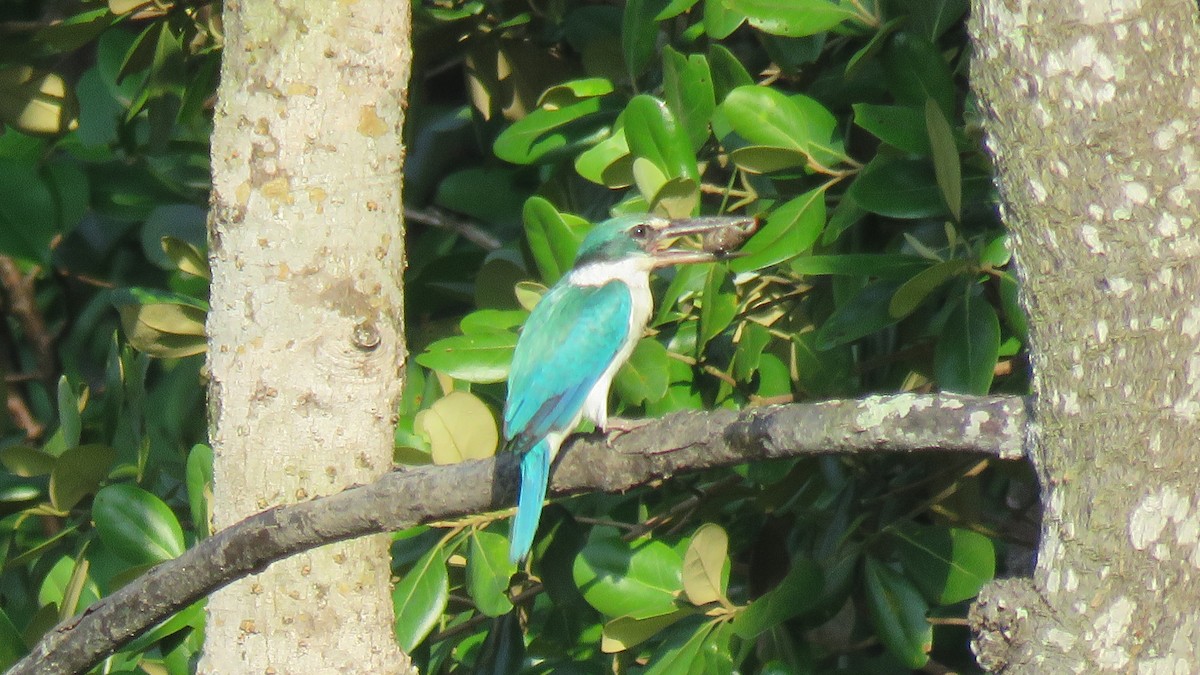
(1092, 113)
(306, 340)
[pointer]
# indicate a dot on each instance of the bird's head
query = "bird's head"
(649, 239)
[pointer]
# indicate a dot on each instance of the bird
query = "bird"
(581, 332)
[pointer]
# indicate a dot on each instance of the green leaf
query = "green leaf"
(916, 72)
(676, 198)
(625, 632)
(947, 564)
(420, 598)
(638, 580)
(136, 525)
(912, 292)
(885, 266)
(873, 47)
(187, 257)
(645, 376)
(688, 90)
(898, 612)
(26, 462)
(199, 478)
(479, 357)
(545, 130)
(789, 231)
(1014, 314)
(573, 91)
(639, 31)
(12, 645)
(965, 358)
(553, 238)
(71, 402)
(946, 166)
(682, 653)
(27, 221)
(488, 572)
(79, 472)
(799, 592)
(459, 427)
(489, 194)
(753, 338)
(674, 8)
(67, 584)
(706, 565)
(932, 18)
(899, 126)
(491, 320)
(764, 116)
(899, 188)
(720, 21)
(824, 374)
(653, 134)
(727, 70)
(864, 314)
(719, 304)
(774, 378)
(162, 324)
(608, 162)
(793, 18)
(767, 158)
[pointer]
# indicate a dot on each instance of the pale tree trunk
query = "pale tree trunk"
(306, 342)
(1093, 115)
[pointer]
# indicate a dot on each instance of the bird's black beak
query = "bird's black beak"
(718, 236)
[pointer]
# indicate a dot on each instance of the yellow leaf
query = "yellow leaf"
(703, 565)
(459, 427)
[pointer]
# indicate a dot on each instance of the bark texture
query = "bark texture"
(306, 340)
(1093, 116)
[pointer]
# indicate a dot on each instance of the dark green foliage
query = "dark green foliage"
(104, 193)
(879, 266)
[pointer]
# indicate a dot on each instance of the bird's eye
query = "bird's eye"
(640, 231)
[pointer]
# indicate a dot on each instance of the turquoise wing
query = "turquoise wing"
(571, 337)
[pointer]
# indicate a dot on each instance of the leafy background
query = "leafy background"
(881, 266)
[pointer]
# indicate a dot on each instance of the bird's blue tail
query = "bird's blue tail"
(535, 472)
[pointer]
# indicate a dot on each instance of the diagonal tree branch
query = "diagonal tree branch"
(679, 443)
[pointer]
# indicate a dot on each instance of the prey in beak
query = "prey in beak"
(716, 237)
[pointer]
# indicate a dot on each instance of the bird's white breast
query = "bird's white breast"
(635, 273)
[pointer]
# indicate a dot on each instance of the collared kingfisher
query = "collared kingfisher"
(581, 332)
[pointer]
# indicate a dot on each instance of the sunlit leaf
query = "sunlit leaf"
(625, 632)
(706, 565)
(789, 231)
(553, 237)
(947, 564)
(483, 356)
(420, 597)
(488, 571)
(638, 580)
(688, 90)
(459, 427)
(645, 376)
(793, 18)
(136, 525)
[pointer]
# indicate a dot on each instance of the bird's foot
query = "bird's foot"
(617, 427)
